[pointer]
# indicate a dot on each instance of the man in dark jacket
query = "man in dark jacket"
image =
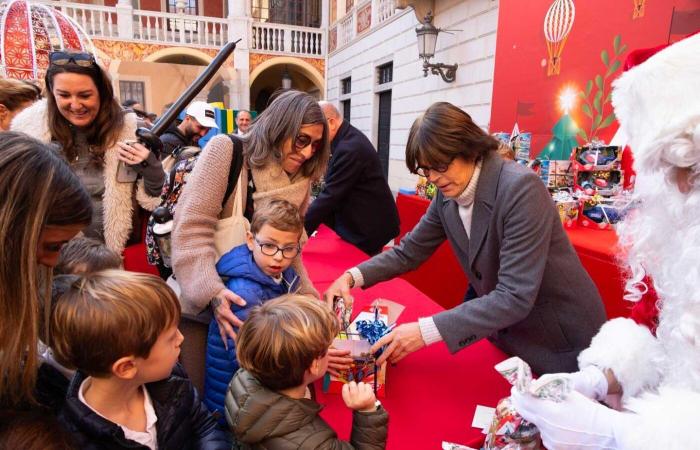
(199, 118)
(356, 200)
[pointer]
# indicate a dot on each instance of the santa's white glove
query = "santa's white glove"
(575, 423)
(590, 381)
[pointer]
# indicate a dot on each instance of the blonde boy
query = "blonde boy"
(119, 330)
(282, 348)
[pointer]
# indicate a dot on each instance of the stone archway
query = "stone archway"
(266, 78)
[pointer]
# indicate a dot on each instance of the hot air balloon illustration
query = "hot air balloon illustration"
(557, 24)
(638, 8)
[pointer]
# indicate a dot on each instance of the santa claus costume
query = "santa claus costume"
(658, 106)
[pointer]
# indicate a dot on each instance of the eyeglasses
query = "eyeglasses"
(269, 249)
(424, 171)
(61, 58)
(302, 141)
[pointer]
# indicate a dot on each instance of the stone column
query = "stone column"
(125, 19)
(239, 27)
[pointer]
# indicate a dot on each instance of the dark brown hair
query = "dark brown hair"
(107, 315)
(32, 430)
(104, 130)
(443, 133)
(37, 189)
(280, 339)
(280, 122)
(279, 214)
(86, 255)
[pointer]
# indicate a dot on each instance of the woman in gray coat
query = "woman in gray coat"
(534, 299)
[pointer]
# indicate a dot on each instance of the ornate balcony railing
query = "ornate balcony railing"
(362, 17)
(287, 39)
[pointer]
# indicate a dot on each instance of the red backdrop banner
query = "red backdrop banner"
(533, 45)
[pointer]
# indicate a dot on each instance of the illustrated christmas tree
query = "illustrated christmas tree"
(563, 140)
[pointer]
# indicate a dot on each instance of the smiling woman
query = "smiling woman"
(37, 216)
(82, 117)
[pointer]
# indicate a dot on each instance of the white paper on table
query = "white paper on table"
(451, 446)
(483, 416)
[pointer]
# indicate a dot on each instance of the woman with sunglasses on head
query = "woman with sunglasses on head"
(82, 117)
(532, 297)
(43, 206)
(284, 151)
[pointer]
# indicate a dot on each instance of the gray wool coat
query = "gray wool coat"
(535, 299)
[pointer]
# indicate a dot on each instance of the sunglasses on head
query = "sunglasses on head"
(61, 58)
(302, 141)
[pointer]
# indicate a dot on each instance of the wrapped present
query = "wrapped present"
(596, 156)
(603, 182)
(508, 430)
(599, 213)
(357, 337)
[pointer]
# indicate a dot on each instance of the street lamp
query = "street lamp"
(427, 38)
(286, 79)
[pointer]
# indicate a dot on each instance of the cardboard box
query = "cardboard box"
(603, 182)
(556, 174)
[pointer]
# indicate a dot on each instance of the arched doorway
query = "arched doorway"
(267, 78)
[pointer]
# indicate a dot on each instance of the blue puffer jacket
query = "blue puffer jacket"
(247, 280)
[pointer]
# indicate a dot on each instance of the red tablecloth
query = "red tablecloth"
(431, 395)
(442, 279)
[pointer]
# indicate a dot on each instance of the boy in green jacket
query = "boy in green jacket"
(282, 348)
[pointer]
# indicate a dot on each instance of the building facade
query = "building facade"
(375, 77)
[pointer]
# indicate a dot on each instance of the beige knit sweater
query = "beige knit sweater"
(198, 209)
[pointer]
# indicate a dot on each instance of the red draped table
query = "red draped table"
(431, 395)
(441, 277)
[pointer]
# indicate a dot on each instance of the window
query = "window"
(190, 9)
(132, 90)
(385, 73)
(305, 13)
(345, 85)
(345, 104)
(345, 89)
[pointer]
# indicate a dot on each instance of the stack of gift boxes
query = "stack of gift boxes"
(597, 181)
(584, 188)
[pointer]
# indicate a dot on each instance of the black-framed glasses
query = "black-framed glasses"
(270, 249)
(303, 140)
(424, 171)
(61, 58)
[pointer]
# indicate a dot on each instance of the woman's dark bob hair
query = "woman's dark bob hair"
(443, 133)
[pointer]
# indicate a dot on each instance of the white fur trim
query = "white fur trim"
(26, 122)
(646, 98)
(630, 350)
(666, 420)
(118, 197)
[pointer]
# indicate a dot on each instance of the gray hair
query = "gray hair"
(280, 122)
(329, 109)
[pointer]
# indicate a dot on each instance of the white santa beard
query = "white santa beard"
(663, 241)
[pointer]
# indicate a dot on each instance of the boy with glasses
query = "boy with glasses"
(257, 271)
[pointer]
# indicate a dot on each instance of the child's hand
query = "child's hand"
(359, 397)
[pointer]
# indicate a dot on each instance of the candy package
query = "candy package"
(508, 430)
